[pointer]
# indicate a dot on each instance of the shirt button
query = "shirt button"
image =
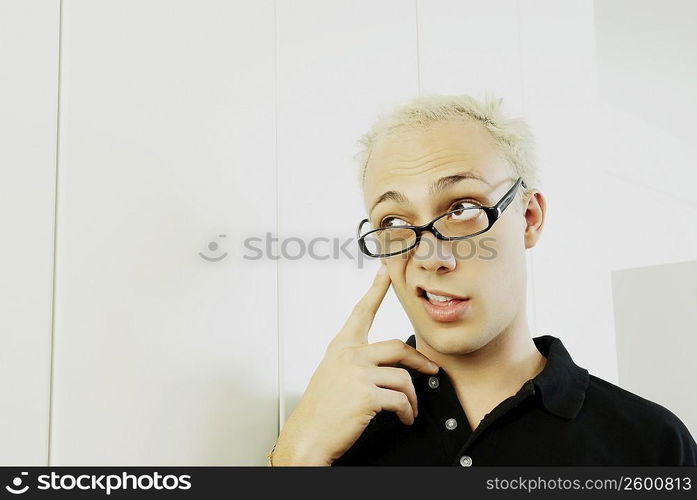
(465, 461)
(433, 382)
(450, 424)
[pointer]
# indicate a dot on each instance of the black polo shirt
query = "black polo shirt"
(563, 416)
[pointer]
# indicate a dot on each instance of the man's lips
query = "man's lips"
(421, 292)
(444, 311)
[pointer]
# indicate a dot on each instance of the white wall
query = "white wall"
(181, 122)
(166, 122)
(656, 318)
(28, 109)
(646, 128)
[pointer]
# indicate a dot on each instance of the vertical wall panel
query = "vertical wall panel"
(28, 100)
(340, 63)
(471, 47)
(656, 343)
(646, 81)
(647, 77)
(167, 152)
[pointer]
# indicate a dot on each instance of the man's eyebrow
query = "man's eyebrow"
(445, 182)
(437, 186)
(395, 196)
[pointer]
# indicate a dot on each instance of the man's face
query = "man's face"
(488, 270)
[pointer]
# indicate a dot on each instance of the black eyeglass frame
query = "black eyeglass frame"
(492, 213)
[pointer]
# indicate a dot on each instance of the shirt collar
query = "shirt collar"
(562, 383)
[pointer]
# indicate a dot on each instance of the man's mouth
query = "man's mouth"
(438, 297)
(443, 306)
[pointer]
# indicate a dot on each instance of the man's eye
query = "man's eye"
(393, 221)
(464, 204)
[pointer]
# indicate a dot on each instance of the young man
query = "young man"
(448, 185)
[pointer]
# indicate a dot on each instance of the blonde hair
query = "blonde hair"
(512, 135)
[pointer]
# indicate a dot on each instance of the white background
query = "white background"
(134, 134)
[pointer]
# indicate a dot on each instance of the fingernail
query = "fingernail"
(433, 366)
(383, 269)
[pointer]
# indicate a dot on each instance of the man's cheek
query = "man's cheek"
(402, 293)
(465, 251)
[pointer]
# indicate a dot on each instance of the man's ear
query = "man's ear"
(534, 218)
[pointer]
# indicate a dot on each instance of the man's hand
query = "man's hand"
(350, 386)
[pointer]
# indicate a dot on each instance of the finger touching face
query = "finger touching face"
(457, 294)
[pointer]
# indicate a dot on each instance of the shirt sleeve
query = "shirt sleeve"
(688, 455)
(679, 447)
(366, 450)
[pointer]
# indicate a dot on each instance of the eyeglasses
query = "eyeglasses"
(457, 224)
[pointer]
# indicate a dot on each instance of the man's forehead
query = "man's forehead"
(426, 155)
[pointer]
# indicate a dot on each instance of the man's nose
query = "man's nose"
(433, 254)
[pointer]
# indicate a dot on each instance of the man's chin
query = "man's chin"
(453, 338)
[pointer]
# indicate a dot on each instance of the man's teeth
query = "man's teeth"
(437, 298)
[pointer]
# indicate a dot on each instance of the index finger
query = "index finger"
(358, 324)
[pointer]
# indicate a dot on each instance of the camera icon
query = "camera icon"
(17, 483)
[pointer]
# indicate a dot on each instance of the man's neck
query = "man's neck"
(485, 377)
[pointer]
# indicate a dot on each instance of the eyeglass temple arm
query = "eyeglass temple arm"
(508, 197)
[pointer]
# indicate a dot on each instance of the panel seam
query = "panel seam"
(279, 343)
(418, 48)
(49, 448)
